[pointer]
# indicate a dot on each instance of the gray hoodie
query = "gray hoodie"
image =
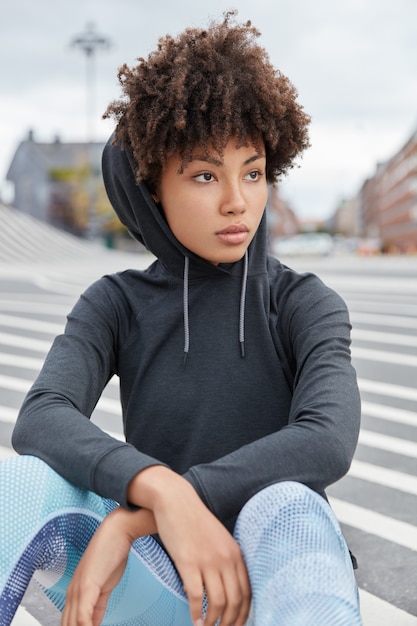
(267, 392)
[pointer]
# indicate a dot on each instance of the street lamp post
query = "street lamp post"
(89, 43)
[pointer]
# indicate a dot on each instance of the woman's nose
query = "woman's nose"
(233, 202)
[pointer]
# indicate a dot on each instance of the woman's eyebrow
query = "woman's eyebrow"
(258, 155)
(208, 158)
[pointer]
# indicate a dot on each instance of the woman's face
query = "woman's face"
(214, 204)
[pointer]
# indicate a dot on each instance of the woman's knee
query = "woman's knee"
(287, 509)
(19, 467)
(279, 497)
(30, 484)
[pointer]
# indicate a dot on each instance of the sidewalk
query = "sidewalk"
(22, 618)
(377, 612)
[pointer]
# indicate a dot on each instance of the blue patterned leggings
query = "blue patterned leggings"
(298, 563)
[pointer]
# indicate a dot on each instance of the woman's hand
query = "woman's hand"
(102, 565)
(204, 552)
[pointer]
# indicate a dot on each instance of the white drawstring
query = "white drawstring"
(242, 306)
(185, 307)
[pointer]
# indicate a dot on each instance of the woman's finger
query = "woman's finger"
(79, 607)
(216, 595)
(193, 586)
(243, 576)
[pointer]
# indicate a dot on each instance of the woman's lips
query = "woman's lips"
(234, 234)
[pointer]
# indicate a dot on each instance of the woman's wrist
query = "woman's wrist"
(133, 524)
(156, 484)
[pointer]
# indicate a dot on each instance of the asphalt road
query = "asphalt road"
(376, 502)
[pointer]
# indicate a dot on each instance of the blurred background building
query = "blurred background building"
(387, 202)
(61, 184)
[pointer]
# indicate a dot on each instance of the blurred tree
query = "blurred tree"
(79, 203)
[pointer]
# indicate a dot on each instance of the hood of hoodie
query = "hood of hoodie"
(142, 217)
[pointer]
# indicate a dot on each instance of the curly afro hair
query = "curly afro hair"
(203, 88)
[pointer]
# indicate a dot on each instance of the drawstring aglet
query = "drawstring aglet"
(242, 349)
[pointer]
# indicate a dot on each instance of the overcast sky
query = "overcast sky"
(354, 63)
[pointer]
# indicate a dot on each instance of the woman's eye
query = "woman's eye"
(205, 177)
(253, 175)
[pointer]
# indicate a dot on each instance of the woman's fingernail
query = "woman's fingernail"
(199, 622)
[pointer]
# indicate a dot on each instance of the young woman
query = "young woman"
(240, 404)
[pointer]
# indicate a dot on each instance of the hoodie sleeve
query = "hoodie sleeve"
(53, 422)
(317, 446)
